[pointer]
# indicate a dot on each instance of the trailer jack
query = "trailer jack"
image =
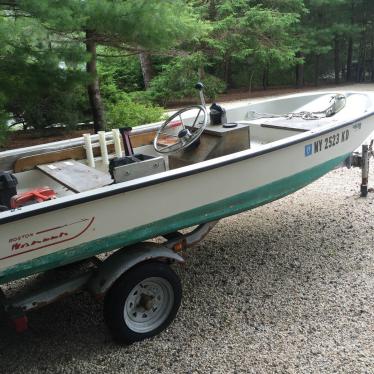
(362, 160)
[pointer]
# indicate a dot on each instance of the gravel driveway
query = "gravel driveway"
(285, 288)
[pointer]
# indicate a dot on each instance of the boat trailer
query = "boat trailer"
(141, 293)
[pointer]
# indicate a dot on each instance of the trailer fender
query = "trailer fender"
(124, 259)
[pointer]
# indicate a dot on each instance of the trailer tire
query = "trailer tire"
(142, 302)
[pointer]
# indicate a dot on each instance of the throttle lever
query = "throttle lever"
(200, 87)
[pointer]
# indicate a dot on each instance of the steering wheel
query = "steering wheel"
(177, 133)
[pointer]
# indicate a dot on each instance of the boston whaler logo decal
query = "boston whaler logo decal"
(326, 143)
(45, 238)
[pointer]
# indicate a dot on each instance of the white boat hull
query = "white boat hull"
(79, 226)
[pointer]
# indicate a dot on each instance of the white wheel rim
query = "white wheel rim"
(148, 305)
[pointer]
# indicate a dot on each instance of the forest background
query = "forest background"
(115, 63)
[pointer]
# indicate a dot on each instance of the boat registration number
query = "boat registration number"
(326, 143)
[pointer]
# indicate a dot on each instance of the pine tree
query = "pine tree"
(257, 34)
(135, 26)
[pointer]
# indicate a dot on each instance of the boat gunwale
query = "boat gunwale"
(142, 129)
(185, 171)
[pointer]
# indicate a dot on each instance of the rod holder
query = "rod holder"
(117, 142)
(103, 148)
(89, 151)
(125, 132)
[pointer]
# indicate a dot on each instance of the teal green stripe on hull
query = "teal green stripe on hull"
(232, 205)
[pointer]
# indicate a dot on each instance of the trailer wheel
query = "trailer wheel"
(143, 302)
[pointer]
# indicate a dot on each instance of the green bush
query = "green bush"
(178, 78)
(42, 94)
(3, 134)
(126, 112)
(125, 73)
(142, 97)
(3, 122)
(126, 109)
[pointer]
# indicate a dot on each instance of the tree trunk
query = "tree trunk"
(201, 73)
(359, 63)
(265, 78)
(227, 72)
(147, 68)
(337, 59)
(300, 71)
(212, 10)
(343, 69)
(349, 60)
(349, 72)
(250, 81)
(362, 59)
(93, 87)
(316, 69)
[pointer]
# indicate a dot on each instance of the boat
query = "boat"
(78, 198)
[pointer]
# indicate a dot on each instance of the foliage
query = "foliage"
(44, 73)
(36, 88)
(126, 112)
(70, 25)
(3, 134)
(123, 109)
(3, 123)
(251, 36)
(124, 72)
(44, 95)
(130, 25)
(178, 78)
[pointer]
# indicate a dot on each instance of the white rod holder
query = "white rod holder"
(103, 148)
(117, 142)
(89, 151)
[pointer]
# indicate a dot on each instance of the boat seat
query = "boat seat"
(75, 175)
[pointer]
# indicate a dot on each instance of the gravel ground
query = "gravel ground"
(285, 288)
